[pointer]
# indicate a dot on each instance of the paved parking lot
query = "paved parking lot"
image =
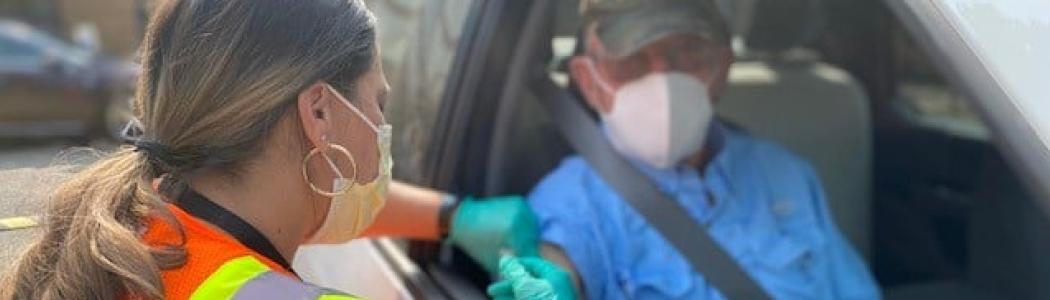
(21, 186)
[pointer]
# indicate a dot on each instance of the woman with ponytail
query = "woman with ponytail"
(261, 130)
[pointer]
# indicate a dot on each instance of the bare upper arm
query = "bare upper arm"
(556, 255)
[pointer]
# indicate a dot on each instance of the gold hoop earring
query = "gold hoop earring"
(316, 151)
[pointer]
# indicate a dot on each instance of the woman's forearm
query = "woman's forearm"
(410, 212)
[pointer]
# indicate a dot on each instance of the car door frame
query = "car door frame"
(455, 159)
(456, 156)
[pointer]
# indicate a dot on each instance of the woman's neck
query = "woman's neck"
(273, 207)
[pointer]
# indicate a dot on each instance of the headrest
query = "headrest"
(779, 25)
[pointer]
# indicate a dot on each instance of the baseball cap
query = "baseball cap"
(626, 26)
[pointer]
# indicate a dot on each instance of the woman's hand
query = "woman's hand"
(531, 278)
(484, 227)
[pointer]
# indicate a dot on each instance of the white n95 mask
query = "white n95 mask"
(355, 206)
(659, 119)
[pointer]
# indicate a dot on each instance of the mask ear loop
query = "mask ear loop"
(353, 108)
(338, 148)
(331, 164)
(379, 132)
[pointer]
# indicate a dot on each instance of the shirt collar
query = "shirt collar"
(670, 179)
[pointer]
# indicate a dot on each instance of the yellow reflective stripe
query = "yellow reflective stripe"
(224, 282)
(337, 297)
(17, 223)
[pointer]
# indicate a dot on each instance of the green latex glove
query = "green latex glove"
(531, 278)
(484, 227)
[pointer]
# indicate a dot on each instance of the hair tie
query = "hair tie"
(157, 154)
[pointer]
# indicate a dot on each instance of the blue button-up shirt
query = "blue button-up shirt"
(761, 203)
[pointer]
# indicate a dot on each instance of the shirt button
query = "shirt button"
(783, 208)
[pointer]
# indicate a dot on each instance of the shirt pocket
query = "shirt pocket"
(658, 273)
(785, 253)
(797, 222)
(786, 267)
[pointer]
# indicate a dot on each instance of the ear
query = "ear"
(585, 81)
(315, 113)
(726, 60)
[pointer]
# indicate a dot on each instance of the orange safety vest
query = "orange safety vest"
(219, 267)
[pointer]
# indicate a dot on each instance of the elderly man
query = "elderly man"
(652, 70)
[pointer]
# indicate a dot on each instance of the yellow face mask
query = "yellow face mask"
(355, 206)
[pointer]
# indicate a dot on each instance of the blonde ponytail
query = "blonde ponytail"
(217, 76)
(91, 247)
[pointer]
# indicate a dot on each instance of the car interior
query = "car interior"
(774, 87)
(913, 177)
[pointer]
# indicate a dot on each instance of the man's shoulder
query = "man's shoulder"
(785, 175)
(573, 166)
(568, 177)
(574, 179)
(748, 151)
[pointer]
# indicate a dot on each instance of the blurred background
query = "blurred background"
(67, 69)
(66, 77)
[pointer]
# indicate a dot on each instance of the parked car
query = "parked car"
(926, 120)
(52, 88)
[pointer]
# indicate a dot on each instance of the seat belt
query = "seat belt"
(659, 210)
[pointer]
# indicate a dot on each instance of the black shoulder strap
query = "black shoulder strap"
(201, 207)
(660, 211)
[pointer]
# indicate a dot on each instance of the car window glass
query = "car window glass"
(566, 27)
(951, 216)
(418, 40)
(924, 98)
(1011, 38)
